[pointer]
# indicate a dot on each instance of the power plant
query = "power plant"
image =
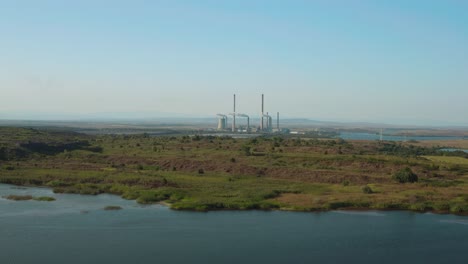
(222, 121)
(266, 121)
(247, 129)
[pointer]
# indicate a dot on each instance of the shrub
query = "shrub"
(367, 189)
(247, 150)
(458, 208)
(57, 183)
(149, 197)
(338, 205)
(405, 175)
(9, 168)
(129, 195)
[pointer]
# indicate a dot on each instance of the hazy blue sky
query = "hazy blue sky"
(394, 61)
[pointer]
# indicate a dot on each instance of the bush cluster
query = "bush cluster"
(405, 175)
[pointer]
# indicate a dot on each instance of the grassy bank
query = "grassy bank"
(213, 173)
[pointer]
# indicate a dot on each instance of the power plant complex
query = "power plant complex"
(265, 125)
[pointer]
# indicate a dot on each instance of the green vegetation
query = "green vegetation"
(213, 173)
(18, 197)
(29, 197)
(448, 160)
(44, 199)
(405, 175)
(366, 189)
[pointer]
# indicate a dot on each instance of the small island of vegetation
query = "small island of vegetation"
(44, 199)
(18, 197)
(29, 197)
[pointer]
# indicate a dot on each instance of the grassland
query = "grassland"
(213, 173)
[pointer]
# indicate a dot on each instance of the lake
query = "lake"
(454, 149)
(75, 229)
(370, 136)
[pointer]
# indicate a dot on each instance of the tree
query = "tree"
(405, 175)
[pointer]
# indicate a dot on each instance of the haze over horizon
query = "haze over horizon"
(399, 62)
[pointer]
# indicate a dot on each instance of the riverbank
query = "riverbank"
(274, 204)
(26, 192)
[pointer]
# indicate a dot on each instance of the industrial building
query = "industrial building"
(222, 122)
(266, 121)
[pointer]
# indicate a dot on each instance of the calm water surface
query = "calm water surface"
(75, 229)
(369, 136)
(454, 149)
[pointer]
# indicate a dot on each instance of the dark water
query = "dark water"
(369, 136)
(57, 232)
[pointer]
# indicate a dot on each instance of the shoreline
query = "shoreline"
(281, 209)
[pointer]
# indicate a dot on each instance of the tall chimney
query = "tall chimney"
(277, 121)
(234, 116)
(261, 125)
(267, 122)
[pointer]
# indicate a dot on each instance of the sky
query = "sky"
(386, 61)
